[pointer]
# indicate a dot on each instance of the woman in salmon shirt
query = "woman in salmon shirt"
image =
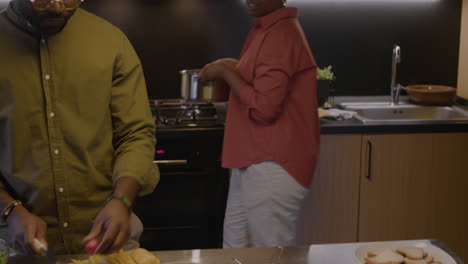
(271, 139)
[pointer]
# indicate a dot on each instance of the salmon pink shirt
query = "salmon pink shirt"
(275, 118)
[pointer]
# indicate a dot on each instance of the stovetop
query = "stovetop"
(179, 113)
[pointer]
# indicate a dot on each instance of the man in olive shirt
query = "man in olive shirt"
(6, 104)
(82, 135)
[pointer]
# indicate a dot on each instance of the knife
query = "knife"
(52, 258)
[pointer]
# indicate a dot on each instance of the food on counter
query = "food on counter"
(91, 246)
(387, 256)
(412, 252)
(3, 257)
(143, 256)
(373, 253)
(415, 261)
(4, 251)
(135, 256)
(406, 255)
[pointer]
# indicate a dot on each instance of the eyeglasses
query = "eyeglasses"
(42, 5)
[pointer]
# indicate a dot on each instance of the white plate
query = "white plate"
(434, 251)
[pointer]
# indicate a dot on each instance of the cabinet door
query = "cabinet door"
(451, 196)
(398, 187)
(330, 211)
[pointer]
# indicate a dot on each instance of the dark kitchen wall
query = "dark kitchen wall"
(357, 37)
(171, 35)
(354, 36)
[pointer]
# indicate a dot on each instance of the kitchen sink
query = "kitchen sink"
(383, 112)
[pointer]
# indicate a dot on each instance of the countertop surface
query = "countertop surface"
(354, 126)
(350, 126)
(344, 253)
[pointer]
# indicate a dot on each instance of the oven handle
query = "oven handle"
(171, 162)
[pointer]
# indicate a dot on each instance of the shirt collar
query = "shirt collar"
(19, 20)
(275, 16)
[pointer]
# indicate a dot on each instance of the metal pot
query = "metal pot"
(192, 89)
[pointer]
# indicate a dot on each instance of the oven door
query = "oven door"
(186, 210)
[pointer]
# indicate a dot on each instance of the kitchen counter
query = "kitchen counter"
(343, 253)
(354, 126)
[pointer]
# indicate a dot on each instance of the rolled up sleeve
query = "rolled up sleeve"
(134, 129)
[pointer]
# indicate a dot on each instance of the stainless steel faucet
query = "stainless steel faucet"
(395, 88)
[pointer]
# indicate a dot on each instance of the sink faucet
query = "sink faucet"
(395, 88)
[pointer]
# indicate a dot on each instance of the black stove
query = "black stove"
(178, 113)
(186, 210)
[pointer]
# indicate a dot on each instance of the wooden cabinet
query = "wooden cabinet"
(389, 187)
(414, 186)
(398, 187)
(450, 167)
(330, 212)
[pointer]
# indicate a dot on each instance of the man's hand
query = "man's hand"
(113, 222)
(24, 228)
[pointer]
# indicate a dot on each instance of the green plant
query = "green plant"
(325, 73)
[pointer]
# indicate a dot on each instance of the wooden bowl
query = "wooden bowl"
(431, 94)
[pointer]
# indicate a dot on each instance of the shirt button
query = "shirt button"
(65, 224)
(47, 76)
(51, 114)
(61, 189)
(56, 151)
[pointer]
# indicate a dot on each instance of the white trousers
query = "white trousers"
(263, 206)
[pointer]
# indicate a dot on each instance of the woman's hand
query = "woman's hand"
(228, 62)
(113, 223)
(24, 228)
(217, 69)
(212, 71)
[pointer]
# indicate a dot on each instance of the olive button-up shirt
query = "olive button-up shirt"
(81, 121)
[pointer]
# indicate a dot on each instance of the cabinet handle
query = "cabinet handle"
(369, 159)
(171, 162)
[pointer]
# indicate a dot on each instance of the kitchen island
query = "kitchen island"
(344, 253)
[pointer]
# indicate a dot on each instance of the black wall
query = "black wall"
(171, 35)
(354, 36)
(357, 37)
